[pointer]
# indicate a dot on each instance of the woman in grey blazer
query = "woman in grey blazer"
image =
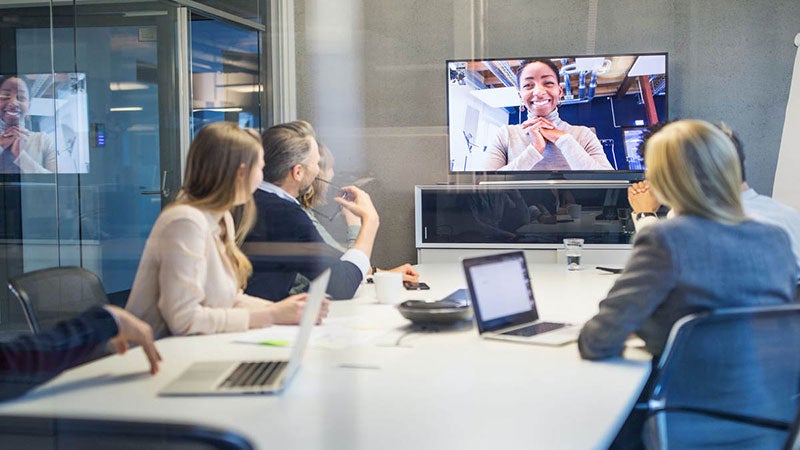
(710, 255)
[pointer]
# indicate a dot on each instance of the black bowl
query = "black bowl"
(441, 312)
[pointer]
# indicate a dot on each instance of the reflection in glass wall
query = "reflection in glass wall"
(82, 176)
(525, 216)
(225, 74)
(105, 127)
(245, 9)
(91, 125)
(29, 105)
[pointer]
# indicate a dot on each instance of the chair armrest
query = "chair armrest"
(751, 420)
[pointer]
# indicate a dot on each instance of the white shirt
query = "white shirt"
(765, 209)
(185, 284)
(761, 209)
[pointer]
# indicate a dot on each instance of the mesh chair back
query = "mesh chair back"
(49, 296)
(728, 378)
(48, 433)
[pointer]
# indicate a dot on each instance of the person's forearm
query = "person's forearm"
(27, 164)
(366, 237)
(31, 360)
(262, 318)
(352, 234)
(579, 157)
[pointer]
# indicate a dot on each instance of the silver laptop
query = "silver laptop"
(252, 377)
(503, 303)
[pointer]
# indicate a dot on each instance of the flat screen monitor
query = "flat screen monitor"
(47, 115)
(552, 125)
(632, 138)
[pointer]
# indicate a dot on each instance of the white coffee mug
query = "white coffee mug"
(574, 211)
(388, 287)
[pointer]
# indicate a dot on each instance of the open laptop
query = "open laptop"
(503, 303)
(252, 377)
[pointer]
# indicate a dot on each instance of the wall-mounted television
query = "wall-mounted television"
(553, 116)
(47, 116)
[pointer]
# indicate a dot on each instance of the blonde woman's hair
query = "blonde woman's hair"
(314, 196)
(694, 167)
(217, 156)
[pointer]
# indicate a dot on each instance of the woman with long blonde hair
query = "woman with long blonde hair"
(192, 273)
(708, 256)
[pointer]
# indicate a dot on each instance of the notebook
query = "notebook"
(252, 377)
(503, 303)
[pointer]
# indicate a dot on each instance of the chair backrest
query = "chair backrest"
(49, 296)
(793, 441)
(729, 377)
(51, 433)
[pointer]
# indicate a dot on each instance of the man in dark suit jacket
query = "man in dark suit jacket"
(284, 241)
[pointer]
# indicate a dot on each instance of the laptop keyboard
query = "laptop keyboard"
(253, 374)
(535, 329)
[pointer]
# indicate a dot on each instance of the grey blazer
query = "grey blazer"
(684, 265)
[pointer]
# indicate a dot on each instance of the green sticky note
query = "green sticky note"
(276, 343)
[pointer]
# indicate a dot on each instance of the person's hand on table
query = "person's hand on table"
(289, 310)
(323, 311)
(132, 329)
(408, 271)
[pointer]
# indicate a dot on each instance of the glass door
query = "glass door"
(110, 94)
(225, 73)
(103, 97)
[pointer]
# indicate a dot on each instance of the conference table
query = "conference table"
(370, 379)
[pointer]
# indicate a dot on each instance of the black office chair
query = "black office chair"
(53, 433)
(728, 379)
(793, 441)
(49, 296)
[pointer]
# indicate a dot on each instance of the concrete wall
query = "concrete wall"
(371, 76)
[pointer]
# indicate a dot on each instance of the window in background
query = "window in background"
(108, 91)
(225, 74)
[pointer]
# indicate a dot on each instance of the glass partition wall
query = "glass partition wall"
(108, 96)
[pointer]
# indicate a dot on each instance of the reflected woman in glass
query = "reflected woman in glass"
(21, 150)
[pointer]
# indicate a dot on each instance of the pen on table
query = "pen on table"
(359, 366)
(276, 343)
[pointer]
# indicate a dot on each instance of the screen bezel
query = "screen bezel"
(534, 175)
(499, 323)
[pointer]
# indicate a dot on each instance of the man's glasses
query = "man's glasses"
(338, 210)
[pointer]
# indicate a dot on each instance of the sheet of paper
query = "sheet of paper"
(277, 335)
(333, 334)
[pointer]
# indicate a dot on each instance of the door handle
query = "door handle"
(164, 190)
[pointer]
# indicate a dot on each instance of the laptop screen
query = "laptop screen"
(501, 290)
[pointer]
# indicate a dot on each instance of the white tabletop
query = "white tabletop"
(445, 389)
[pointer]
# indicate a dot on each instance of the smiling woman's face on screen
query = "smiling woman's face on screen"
(539, 89)
(13, 101)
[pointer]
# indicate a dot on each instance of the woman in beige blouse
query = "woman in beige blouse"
(192, 272)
